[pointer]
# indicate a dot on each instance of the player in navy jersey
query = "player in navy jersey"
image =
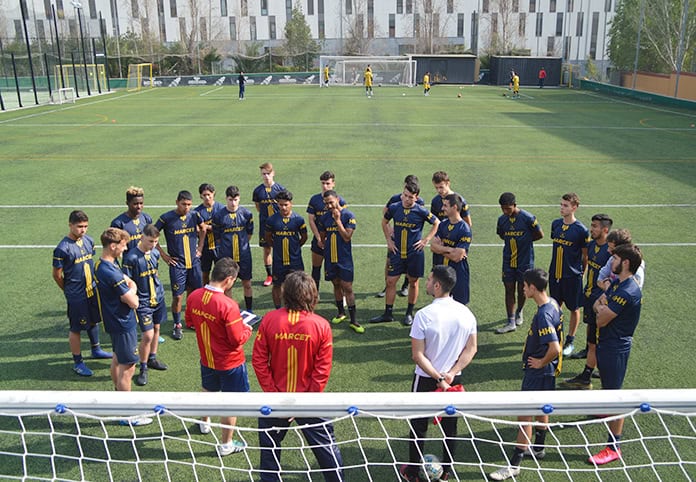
(568, 263)
(518, 229)
(134, 219)
(597, 256)
(141, 265)
(315, 209)
(618, 313)
(185, 234)
(207, 210)
(233, 226)
(542, 362)
(286, 232)
(451, 246)
(264, 197)
(442, 184)
(405, 244)
(336, 227)
(396, 198)
(73, 272)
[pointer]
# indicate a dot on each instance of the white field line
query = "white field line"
(635, 104)
(210, 91)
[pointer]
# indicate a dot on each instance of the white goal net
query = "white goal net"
(76, 435)
(63, 96)
(347, 71)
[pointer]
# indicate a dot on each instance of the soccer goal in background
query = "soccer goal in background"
(77, 76)
(139, 76)
(346, 70)
(76, 435)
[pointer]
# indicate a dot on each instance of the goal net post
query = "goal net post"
(77, 435)
(348, 70)
(139, 76)
(77, 76)
(65, 95)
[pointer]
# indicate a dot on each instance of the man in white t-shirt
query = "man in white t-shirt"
(443, 342)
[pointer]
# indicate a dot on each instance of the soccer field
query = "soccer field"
(633, 161)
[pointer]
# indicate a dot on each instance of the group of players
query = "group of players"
(212, 232)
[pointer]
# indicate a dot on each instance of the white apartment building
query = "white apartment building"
(573, 29)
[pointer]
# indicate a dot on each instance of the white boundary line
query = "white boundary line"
(171, 206)
(610, 98)
(378, 246)
(210, 91)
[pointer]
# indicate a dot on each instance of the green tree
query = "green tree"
(660, 33)
(299, 44)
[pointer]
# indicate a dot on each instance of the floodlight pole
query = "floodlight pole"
(78, 8)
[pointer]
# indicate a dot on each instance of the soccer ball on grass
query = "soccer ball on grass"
(431, 469)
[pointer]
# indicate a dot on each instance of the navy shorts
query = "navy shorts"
(336, 271)
(244, 266)
(281, 272)
(413, 265)
(315, 247)
(84, 314)
(262, 237)
(125, 347)
(460, 292)
(233, 380)
(148, 317)
(588, 314)
(567, 291)
(514, 275)
(183, 279)
(534, 382)
(612, 363)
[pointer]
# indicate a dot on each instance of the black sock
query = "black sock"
(151, 356)
(587, 373)
(143, 366)
(339, 305)
(268, 269)
(77, 358)
(389, 310)
(569, 339)
(351, 313)
(517, 457)
(613, 441)
(249, 302)
(405, 285)
(409, 309)
(539, 439)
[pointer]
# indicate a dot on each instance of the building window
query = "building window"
(559, 24)
(460, 25)
(40, 30)
(264, 7)
(349, 7)
(310, 7)
(161, 20)
(370, 18)
(271, 27)
(570, 6)
(72, 26)
(252, 28)
(223, 8)
(18, 29)
(172, 8)
(409, 6)
(233, 28)
(494, 23)
(320, 7)
(522, 27)
(392, 25)
(550, 46)
(485, 7)
(322, 27)
(450, 6)
(47, 10)
(245, 8)
(399, 6)
(428, 6)
(568, 41)
(607, 5)
(579, 24)
(532, 6)
(593, 35)
(92, 9)
(288, 9)
(135, 11)
(539, 23)
(515, 6)
(416, 25)
(552, 6)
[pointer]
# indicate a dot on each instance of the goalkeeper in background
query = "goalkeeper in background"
(426, 84)
(367, 78)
